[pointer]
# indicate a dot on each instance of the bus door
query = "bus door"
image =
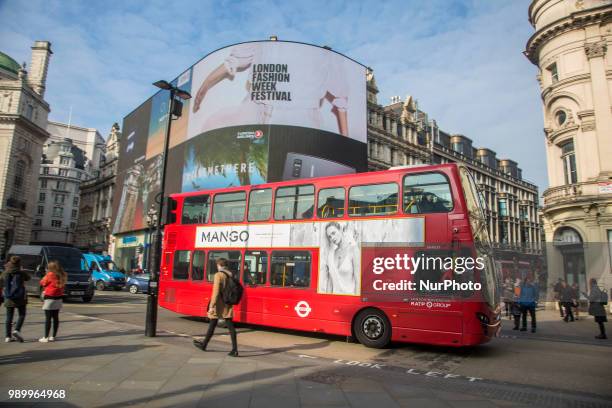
(290, 289)
(254, 278)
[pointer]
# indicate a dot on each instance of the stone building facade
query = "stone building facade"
(402, 134)
(93, 227)
(572, 47)
(71, 157)
(23, 124)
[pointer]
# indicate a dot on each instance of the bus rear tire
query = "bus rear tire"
(372, 328)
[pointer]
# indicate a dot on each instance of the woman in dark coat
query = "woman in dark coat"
(12, 283)
(597, 301)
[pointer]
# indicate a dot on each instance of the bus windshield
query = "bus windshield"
(482, 243)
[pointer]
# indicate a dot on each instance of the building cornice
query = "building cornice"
(20, 120)
(18, 86)
(549, 92)
(577, 19)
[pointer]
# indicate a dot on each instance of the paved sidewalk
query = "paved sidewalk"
(101, 363)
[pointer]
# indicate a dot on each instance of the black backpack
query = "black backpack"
(14, 288)
(232, 290)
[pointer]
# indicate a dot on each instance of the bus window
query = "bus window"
(294, 203)
(427, 193)
(290, 269)
(197, 265)
(233, 257)
(195, 209)
(330, 203)
(373, 199)
(180, 269)
(255, 267)
(260, 204)
(229, 207)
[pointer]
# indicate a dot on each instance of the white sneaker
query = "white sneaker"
(43, 340)
(18, 336)
(8, 339)
(51, 338)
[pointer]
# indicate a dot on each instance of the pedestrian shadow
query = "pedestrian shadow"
(46, 354)
(243, 379)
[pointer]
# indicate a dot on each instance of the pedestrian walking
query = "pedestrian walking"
(218, 308)
(557, 289)
(597, 300)
(12, 282)
(566, 295)
(508, 294)
(527, 301)
(576, 301)
(53, 284)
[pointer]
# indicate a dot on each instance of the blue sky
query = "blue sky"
(462, 60)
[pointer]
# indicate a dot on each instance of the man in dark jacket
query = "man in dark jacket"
(12, 283)
(557, 289)
(597, 302)
(567, 298)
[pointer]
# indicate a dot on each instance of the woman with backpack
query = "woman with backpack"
(12, 282)
(219, 308)
(53, 284)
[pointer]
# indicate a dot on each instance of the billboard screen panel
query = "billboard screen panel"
(260, 111)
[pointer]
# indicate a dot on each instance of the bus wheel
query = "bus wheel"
(372, 328)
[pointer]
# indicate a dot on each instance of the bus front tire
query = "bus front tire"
(372, 328)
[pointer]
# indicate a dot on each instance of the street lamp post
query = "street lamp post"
(174, 109)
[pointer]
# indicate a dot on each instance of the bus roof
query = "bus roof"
(395, 170)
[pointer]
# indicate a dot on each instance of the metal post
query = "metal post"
(151, 317)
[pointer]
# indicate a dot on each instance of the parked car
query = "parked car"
(138, 283)
(104, 272)
(34, 261)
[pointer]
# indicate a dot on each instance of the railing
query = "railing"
(570, 192)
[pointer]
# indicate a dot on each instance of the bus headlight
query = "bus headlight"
(483, 318)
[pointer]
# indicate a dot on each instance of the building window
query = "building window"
(60, 198)
(560, 117)
(41, 210)
(45, 170)
(43, 183)
(58, 211)
(65, 161)
(569, 163)
(56, 223)
(61, 185)
(554, 74)
(37, 222)
(63, 172)
(29, 111)
(75, 201)
(65, 148)
(20, 167)
(502, 208)
(42, 196)
(72, 225)
(75, 213)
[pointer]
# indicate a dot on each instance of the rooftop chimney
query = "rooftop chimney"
(37, 77)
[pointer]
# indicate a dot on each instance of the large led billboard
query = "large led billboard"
(260, 111)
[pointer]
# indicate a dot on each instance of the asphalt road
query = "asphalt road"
(560, 358)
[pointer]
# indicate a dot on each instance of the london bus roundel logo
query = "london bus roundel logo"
(258, 134)
(302, 308)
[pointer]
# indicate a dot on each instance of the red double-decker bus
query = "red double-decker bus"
(305, 251)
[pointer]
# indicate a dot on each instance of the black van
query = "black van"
(34, 260)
